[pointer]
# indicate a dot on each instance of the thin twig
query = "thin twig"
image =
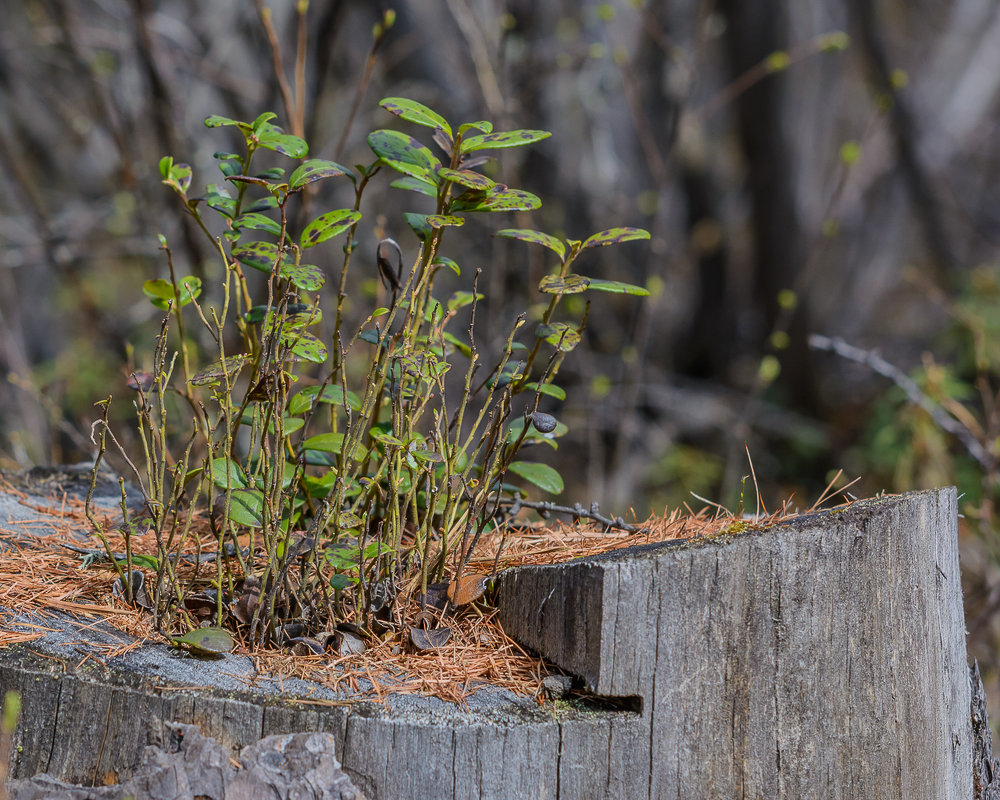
(576, 510)
(913, 393)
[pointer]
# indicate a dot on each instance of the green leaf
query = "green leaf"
(140, 560)
(328, 225)
(160, 292)
(331, 394)
(306, 277)
(559, 334)
(227, 474)
(264, 204)
(229, 163)
(257, 222)
(320, 487)
(313, 170)
(482, 125)
(466, 177)
(444, 221)
(404, 154)
(462, 347)
(542, 475)
(331, 443)
(257, 314)
(207, 642)
(246, 507)
(444, 261)
(617, 287)
(536, 237)
(415, 185)
(339, 581)
(271, 174)
(220, 369)
(491, 141)
(258, 255)
(177, 176)
(273, 138)
(415, 112)
(384, 438)
(220, 200)
(615, 236)
(461, 299)
(571, 284)
(499, 200)
(216, 121)
(258, 124)
(419, 225)
(549, 389)
(305, 346)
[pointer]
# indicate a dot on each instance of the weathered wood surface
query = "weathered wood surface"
(187, 764)
(820, 659)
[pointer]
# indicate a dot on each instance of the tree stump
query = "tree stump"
(822, 658)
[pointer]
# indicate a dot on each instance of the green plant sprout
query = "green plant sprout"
(344, 474)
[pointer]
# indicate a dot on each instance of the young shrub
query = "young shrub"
(334, 499)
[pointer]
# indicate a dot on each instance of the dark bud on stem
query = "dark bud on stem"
(390, 264)
(141, 381)
(544, 423)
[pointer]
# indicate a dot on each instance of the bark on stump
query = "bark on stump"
(824, 658)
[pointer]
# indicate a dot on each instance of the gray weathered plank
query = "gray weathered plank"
(824, 658)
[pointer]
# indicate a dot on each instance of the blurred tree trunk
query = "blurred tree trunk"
(754, 31)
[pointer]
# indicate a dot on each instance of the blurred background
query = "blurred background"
(821, 181)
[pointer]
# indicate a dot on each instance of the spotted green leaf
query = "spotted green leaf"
(304, 276)
(315, 169)
(560, 335)
(536, 237)
(415, 185)
(328, 225)
(220, 200)
(217, 121)
(491, 141)
(571, 284)
(481, 125)
(501, 199)
(258, 255)
(273, 138)
(466, 177)
(404, 154)
(176, 176)
(444, 221)
(257, 222)
(305, 346)
(220, 369)
(615, 236)
(415, 112)
(206, 642)
(384, 438)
